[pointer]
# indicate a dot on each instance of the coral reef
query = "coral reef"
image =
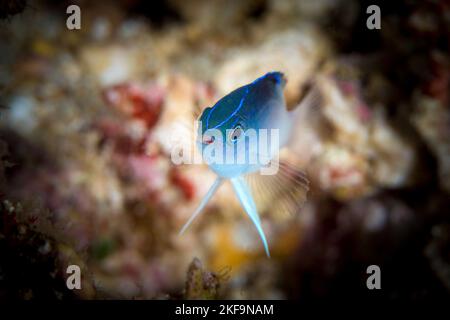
(89, 119)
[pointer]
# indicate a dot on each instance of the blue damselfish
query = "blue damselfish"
(252, 107)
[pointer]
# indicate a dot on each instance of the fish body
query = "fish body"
(257, 105)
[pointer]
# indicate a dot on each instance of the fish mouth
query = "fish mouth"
(206, 140)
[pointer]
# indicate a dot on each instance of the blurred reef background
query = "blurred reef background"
(86, 176)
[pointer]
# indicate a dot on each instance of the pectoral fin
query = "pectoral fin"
(281, 195)
(246, 200)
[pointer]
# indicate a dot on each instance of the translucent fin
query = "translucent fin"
(203, 203)
(309, 101)
(246, 200)
(283, 194)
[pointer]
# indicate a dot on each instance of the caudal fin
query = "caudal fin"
(202, 205)
(246, 200)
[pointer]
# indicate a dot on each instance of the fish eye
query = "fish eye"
(236, 133)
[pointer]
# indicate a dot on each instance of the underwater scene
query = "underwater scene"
(122, 124)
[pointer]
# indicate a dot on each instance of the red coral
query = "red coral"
(186, 186)
(139, 102)
(364, 112)
(348, 88)
(116, 134)
(145, 169)
(351, 88)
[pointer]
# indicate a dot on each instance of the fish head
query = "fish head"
(225, 148)
(229, 131)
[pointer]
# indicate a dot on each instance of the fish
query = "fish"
(224, 131)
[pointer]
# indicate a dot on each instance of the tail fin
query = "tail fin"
(246, 199)
(205, 200)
